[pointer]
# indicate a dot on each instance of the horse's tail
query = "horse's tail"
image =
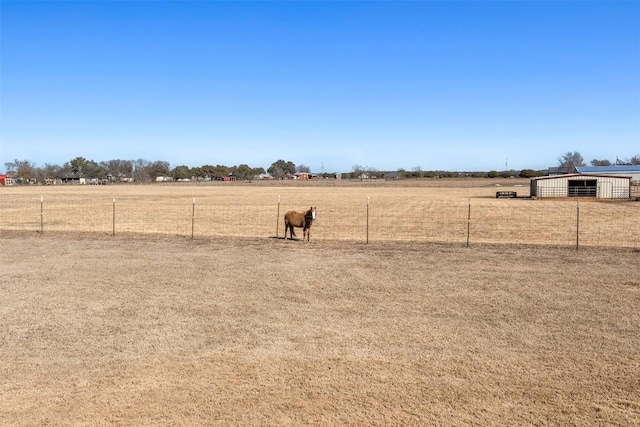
(286, 226)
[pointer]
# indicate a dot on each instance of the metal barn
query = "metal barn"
(581, 185)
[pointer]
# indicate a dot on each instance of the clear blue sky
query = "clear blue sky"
(467, 86)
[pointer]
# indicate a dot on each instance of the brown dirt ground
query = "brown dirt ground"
(235, 331)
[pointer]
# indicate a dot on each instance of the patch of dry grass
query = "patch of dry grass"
(233, 331)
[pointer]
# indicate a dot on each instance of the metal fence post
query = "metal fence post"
(193, 216)
(367, 219)
(113, 233)
(469, 223)
(278, 220)
(577, 224)
(41, 214)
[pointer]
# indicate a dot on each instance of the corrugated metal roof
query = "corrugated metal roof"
(581, 175)
(608, 169)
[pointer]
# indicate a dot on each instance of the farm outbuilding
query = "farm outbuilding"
(581, 185)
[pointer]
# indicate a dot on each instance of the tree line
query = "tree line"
(141, 170)
(147, 171)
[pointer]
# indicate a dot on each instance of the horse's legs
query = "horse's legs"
(292, 233)
(289, 227)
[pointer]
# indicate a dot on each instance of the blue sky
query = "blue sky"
(440, 85)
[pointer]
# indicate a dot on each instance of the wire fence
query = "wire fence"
(576, 223)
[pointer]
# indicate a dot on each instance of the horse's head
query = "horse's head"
(311, 214)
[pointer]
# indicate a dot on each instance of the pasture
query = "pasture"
(434, 211)
(152, 327)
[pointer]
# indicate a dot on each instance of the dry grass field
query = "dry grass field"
(153, 328)
(435, 211)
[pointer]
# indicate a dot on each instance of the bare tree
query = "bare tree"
(303, 169)
(118, 168)
(158, 168)
(357, 171)
(569, 161)
(372, 172)
(50, 171)
(21, 168)
(11, 167)
(138, 169)
(635, 160)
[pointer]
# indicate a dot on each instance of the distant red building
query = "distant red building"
(305, 175)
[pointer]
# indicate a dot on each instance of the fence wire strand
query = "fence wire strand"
(522, 221)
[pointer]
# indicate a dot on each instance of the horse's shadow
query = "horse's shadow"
(295, 239)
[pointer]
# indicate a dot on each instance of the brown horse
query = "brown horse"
(301, 220)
